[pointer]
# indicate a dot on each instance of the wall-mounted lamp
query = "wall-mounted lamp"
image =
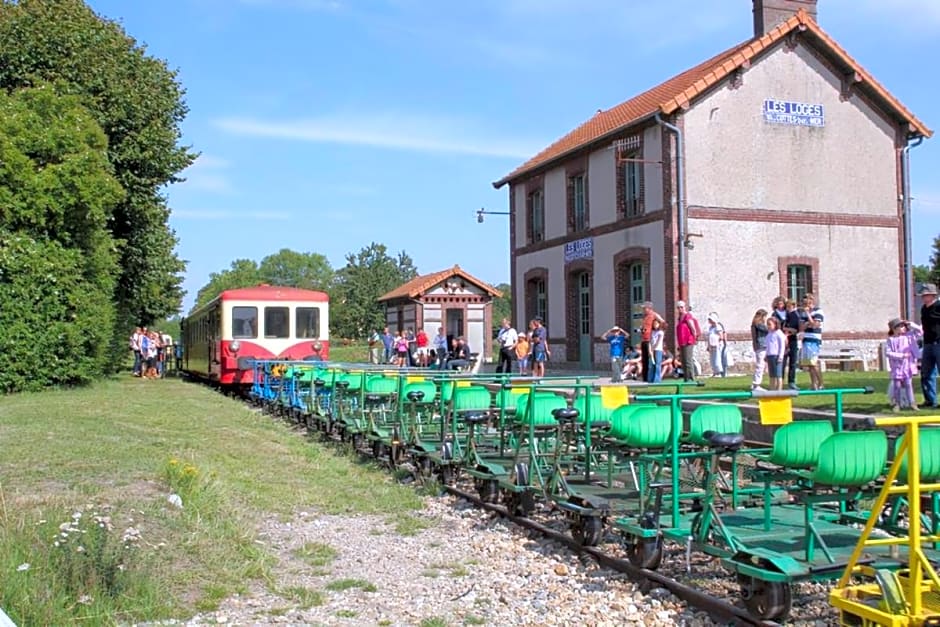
(688, 240)
(481, 212)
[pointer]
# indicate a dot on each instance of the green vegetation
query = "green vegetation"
(101, 132)
(408, 525)
(317, 554)
(876, 403)
(305, 597)
(346, 614)
(117, 449)
(433, 622)
(345, 584)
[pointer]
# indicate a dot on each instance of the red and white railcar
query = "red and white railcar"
(262, 322)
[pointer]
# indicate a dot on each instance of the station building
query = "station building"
(777, 167)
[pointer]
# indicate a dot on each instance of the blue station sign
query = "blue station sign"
(579, 249)
(794, 113)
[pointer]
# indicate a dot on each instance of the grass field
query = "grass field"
(86, 530)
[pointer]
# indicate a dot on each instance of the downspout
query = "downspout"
(906, 221)
(680, 207)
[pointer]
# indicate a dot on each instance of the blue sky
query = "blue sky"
(325, 125)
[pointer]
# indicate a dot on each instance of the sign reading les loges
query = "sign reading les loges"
(794, 113)
(579, 249)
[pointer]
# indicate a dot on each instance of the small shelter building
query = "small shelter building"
(453, 299)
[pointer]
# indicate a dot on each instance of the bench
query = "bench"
(848, 358)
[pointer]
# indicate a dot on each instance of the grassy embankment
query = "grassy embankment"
(86, 530)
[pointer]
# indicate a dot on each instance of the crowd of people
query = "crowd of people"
(152, 351)
(409, 349)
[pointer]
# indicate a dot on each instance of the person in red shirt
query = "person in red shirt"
(647, 373)
(687, 333)
(423, 350)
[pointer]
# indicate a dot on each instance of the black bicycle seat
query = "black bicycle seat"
(474, 418)
(565, 414)
(415, 396)
(725, 441)
(342, 384)
(374, 398)
(319, 383)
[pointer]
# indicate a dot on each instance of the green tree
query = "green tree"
(138, 103)
(934, 267)
(921, 274)
(242, 273)
(502, 306)
(310, 271)
(366, 276)
(57, 258)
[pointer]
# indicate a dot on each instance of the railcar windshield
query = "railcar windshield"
(307, 322)
(244, 322)
(276, 322)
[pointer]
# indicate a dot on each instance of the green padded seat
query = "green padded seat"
(644, 426)
(354, 379)
(542, 406)
(717, 418)
(429, 389)
(473, 398)
(929, 456)
(511, 400)
(599, 413)
(796, 445)
(850, 459)
(447, 390)
(382, 385)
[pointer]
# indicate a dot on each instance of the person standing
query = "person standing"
(375, 344)
(388, 341)
(135, 348)
(811, 321)
(776, 348)
(791, 328)
(646, 334)
(656, 346)
(901, 350)
(540, 350)
(522, 353)
(717, 345)
(930, 358)
(440, 348)
(759, 344)
(616, 338)
(687, 332)
(507, 339)
(422, 347)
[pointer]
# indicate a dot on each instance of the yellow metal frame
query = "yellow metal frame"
(920, 578)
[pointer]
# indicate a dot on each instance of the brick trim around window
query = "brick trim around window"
(811, 262)
(575, 168)
(532, 186)
(572, 333)
(529, 294)
(622, 261)
(620, 174)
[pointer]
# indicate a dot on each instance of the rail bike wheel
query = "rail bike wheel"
(645, 552)
(767, 600)
(587, 530)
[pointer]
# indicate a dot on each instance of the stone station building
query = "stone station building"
(777, 167)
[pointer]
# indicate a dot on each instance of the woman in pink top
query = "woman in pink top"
(902, 352)
(776, 349)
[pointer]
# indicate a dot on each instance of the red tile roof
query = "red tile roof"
(420, 284)
(679, 91)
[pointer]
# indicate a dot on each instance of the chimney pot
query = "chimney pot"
(769, 13)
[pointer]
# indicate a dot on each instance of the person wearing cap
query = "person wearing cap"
(717, 346)
(901, 350)
(616, 338)
(686, 336)
(646, 334)
(930, 320)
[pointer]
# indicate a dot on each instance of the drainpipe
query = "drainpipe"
(680, 206)
(906, 209)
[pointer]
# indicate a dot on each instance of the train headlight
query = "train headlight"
(234, 346)
(317, 347)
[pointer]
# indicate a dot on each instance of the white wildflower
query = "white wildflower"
(175, 500)
(56, 543)
(80, 549)
(85, 599)
(22, 567)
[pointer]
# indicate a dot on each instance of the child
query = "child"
(631, 363)
(776, 348)
(902, 362)
(522, 353)
(656, 352)
(616, 338)
(759, 344)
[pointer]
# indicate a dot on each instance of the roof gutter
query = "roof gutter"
(908, 268)
(680, 207)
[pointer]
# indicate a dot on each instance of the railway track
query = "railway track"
(717, 608)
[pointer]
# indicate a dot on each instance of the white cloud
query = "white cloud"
(229, 215)
(394, 131)
(207, 174)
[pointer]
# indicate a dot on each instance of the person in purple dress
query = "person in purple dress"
(902, 363)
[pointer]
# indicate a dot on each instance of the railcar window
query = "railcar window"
(244, 322)
(276, 322)
(307, 322)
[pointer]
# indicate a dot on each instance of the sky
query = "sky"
(326, 125)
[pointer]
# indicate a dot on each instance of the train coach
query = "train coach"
(223, 337)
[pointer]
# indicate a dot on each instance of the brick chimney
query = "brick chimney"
(769, 13)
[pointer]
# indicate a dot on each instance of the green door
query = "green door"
(585, 343)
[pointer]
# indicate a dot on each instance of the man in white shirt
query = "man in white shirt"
(507, 339)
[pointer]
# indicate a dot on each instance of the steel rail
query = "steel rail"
(715, 607)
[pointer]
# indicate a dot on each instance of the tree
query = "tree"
(138, 103)
(921, 274)
(57, 259)
(502, 306)
(365, 277)
(242, 273)
(935, 261)
(310, 271)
